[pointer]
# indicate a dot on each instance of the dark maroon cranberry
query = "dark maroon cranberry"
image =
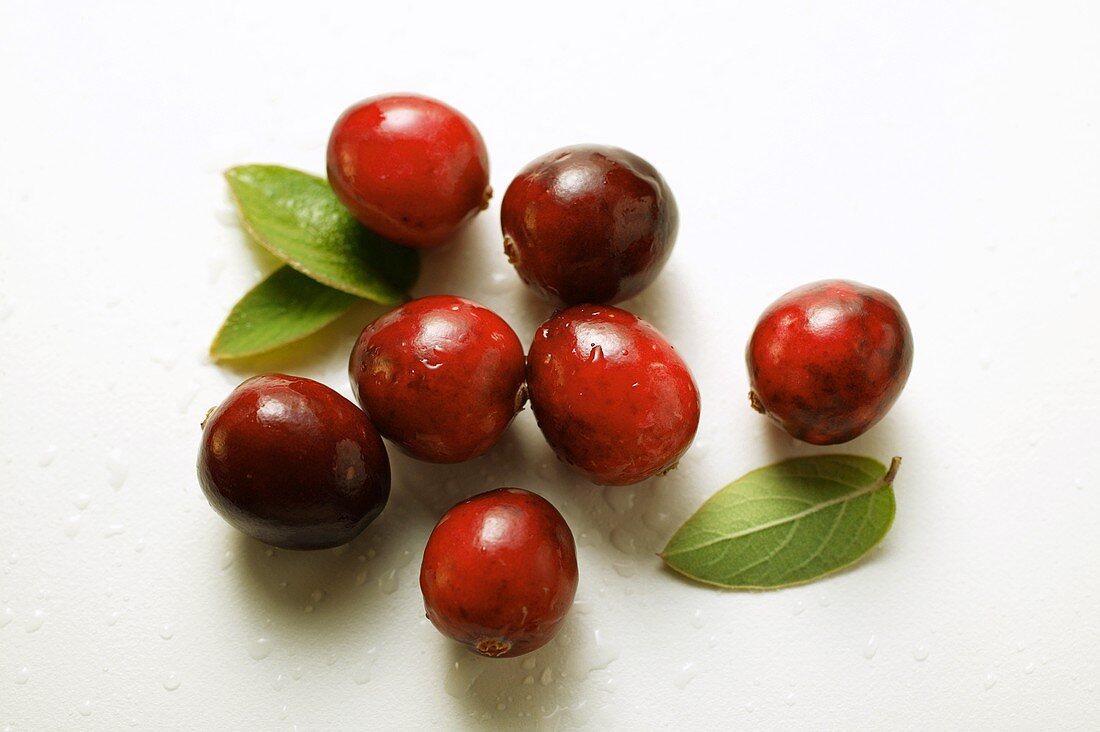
(500, 572)
(442, 377)
(292, 463)
(588, 223)
(827, 360)
(611, 395)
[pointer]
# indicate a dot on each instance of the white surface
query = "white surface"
(949, 155)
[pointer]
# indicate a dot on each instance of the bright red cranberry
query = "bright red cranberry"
(500, 572)
(588, 223)
(442, 377)
(611, 395)
(409, 168)
(292, 463)
(828, 360)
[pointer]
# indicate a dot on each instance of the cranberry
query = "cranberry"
(611, 395)
(828, 360)
(442, 377)
(588, 224)
(292, 463)
(500, 572)
(409, 168)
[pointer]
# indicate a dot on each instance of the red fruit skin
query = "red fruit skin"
(827, 360)
(588, 224)
(611, 395)
(442, 377)
(409, 168)
(500, 572)
(292, 463)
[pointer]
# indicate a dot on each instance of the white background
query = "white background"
(947, 152)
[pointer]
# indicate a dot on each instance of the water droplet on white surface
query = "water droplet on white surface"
(920, 653)
(112, 617)
(603, 651)
(260, 648)
(167, 631)
(823, 601)
(117, 470)
(460, 677)
(227, 560)
(35, 621)
(624, 541)
(388, 582)
(499, 283)
(790, 699)
(870, 648)
(186, 398)
(278, 682)
(589, 538)
(166, 358)
(362, 672)
(990, 680)
(331, 659)
(82, 501)
(114, 530)
(501, 706)
(619, 498)
(22, 675)
(171, 681)
(7, 307)
(547, 677)
(625, 568)
(72, 526)
(296, 673)
(283, 712)
(85, 709)
(227, 217)
(6, 616)
(799, 607)
(1030, 667)
(686, 674)
(214, 268)
(697, 620)
(46, 458)
(750, 707)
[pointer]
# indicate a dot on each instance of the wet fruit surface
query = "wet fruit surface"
(611, 395)
(588, 223)
(292, 463)
(828, 360)
(442, 377)
(409, 168)
(500, 572)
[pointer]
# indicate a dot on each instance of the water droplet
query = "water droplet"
(171, 682)
(166, 358)
(72, 526)
(589, 538)
(499, 283)
(114, 530)
(625, 568)
(7, 307)
(603, 652)
(167, 631)
(47, 456)
(260, 648)
(388, 582)
(990, 680)
(799, 607)
(790, 699)
(686, 674)
(227, 560)
(283, 712)
(22, 675)
(624, 541)
(227, 217)
(85, 709)
(547, 677)
(117, 470)
(363, 671)
(34, 622)
(1030, 667)
(750, 707)
(278, 682)
(871, 648)
(331, 659)
(823, 601)
(186, 397)
(139, 545)
(501, 706)
(697, 620)
(528, 680)
(596, 354)
(6, 616)
(920, 653)
(82, 501)
(214, 268)
(529, 663)
(460, 677)
(112, 617)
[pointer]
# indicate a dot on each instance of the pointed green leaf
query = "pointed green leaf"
(285, 307)
(297, 217)
(788, 523)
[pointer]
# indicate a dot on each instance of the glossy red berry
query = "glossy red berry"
(500, 572)
(611, 395)
(292, 463)
(409, 168)
(442, 377)
(588, 224)
(828, 360)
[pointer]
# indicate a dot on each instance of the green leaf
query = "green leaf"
(297, 217)
(285, 307)
(788, 523)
